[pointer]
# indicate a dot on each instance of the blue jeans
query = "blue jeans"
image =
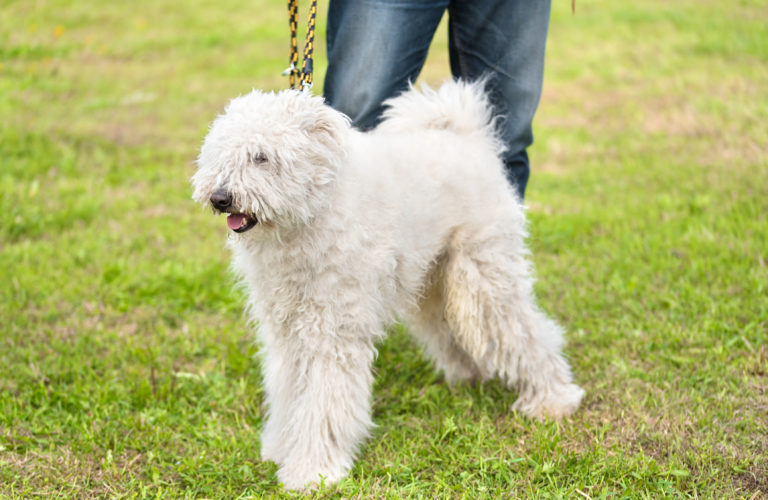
(376, 47)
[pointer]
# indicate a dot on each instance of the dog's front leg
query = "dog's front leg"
(318, 386)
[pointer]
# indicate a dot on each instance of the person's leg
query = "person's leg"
(505, 41)
(374, 49)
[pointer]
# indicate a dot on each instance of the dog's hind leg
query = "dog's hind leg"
(430, 328)
(491, 307)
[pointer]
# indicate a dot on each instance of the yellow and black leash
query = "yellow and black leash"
(305, 74)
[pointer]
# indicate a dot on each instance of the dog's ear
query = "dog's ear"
(327, 127)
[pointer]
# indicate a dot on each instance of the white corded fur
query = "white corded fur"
(469, 112)
(415, 221)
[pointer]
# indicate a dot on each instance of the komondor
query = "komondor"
(337, 234)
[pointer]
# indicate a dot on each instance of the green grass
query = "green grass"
(127, 370)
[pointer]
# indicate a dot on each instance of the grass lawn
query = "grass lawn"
(127, 370)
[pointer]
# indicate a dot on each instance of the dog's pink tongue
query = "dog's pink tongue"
(234, 221)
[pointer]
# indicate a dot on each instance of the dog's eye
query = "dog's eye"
(257, 158)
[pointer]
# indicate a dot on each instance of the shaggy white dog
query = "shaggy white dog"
(338, 233)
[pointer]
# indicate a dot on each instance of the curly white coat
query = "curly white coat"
(413, 221)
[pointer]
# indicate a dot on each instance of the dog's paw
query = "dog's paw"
(308, 478)
(556, 403)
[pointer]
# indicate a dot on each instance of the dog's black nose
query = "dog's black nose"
(221, 200)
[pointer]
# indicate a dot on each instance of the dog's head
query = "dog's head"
(270, 159)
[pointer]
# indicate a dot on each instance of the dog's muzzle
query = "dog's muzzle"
(221, 200)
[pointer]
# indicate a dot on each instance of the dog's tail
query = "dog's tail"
(459, 106)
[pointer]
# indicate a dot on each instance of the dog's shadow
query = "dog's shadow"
(407, 384)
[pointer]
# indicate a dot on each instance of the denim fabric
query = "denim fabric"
(375, 47)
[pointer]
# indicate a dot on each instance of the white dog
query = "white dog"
(338, 233)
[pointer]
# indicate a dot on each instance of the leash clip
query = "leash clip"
(290, 70)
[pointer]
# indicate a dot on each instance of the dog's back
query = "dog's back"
(458, 106)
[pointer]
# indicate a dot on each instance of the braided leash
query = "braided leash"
(305, 74)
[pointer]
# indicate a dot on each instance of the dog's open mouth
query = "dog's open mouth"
(240, 223)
